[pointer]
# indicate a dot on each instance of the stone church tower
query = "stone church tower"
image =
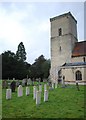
(63, 39)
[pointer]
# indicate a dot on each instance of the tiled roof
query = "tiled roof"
(75, 64)
(79, 49)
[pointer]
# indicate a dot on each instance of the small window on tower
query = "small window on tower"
(60, 31)
(60, 48)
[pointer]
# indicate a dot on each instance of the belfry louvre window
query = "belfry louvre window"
(78, 75)
(60, 48)
(60, 31)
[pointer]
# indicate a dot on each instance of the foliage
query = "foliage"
(11, 67)
(21, 54)
(14, 65)
(40, 68)
(46, 68)
(63, 103)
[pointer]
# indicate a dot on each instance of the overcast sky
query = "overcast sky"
(30, 23)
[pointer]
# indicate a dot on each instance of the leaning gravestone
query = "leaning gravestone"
(27, 91)
(20, 91)
(13, 86)
(45, 95)
(8, 94)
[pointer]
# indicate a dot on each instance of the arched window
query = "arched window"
(78, 75)
(60, 31)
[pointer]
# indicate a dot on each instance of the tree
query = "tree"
(13, 68)
(8, 64)
(46, 68)
(40, 68)
(21, 54)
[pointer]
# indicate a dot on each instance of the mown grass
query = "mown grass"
(63, 103)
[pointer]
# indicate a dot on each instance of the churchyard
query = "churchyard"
(61, 102)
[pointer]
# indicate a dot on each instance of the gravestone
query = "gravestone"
(52, 85)
(24, 82)
(9, 84)
(39, 80)
(20, 91)
(44, 80)
(55, 84)
(27, 91)
(4, 84)
(34, 92)
(17, 83)
(29, 82)
(45, 87)
(45, 95)
(33, 79)
(38, 97)
(13, 86)
(8, 94)
(13, 78)
(40, 88)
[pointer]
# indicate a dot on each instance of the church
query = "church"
(68, 56)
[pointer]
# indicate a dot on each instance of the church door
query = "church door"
(59, 76)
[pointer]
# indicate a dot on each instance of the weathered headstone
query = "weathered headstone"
(38, 97)
(52, 85)
(20, 91)
(40, 88)
(55, 84)
(33, 79)
(4, 84)
(17, 83)
(45, 95)
(39, 80)
(27, 91)
(34, 92)
(13, 86)
(13, 78)
(44, 80)
(45, 87)
(29, 82)
(24, 82)
(8, 94)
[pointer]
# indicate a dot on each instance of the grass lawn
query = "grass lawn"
(63, 103)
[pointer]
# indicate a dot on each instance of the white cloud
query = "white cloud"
(29, 23)
(11, 27)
